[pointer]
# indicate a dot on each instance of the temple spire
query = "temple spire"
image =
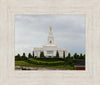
(50, 28)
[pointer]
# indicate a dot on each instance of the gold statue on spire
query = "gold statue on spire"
(50, 28)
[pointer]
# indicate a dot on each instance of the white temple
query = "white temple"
(50, 49)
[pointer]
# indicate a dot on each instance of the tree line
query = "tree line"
(18, 57)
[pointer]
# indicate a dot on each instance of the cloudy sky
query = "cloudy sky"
(32, 31)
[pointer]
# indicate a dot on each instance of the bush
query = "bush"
(30, 56)
(18, 57)
(57, 54)
(23, 57)
(50, 59)
(42, 55)
(70, 62)
(38, 62)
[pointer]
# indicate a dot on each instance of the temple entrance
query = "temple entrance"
(49, 56)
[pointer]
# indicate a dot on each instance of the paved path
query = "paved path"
(37, 68)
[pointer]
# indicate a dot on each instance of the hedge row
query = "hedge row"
(38, 62)
(50, 59)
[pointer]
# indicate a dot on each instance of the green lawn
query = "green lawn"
(39, 63)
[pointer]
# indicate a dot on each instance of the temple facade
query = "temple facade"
(50, 49)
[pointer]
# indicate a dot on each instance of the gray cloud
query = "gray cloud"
(32, 31)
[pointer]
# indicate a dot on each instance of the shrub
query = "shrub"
(24, 57)
(42, 55)
(18, 57)
(38, 62)
(57, 54)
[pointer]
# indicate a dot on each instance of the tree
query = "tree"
(24, 57)
(42, 55)
(78, 56)
(81, 57)
(33, 54)
(64, 54)
(69, 56)
(30, 56)
(84, 56)
(75, 56)
(17, 57)
(57, 54)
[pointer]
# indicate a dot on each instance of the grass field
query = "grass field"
(53, 63)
